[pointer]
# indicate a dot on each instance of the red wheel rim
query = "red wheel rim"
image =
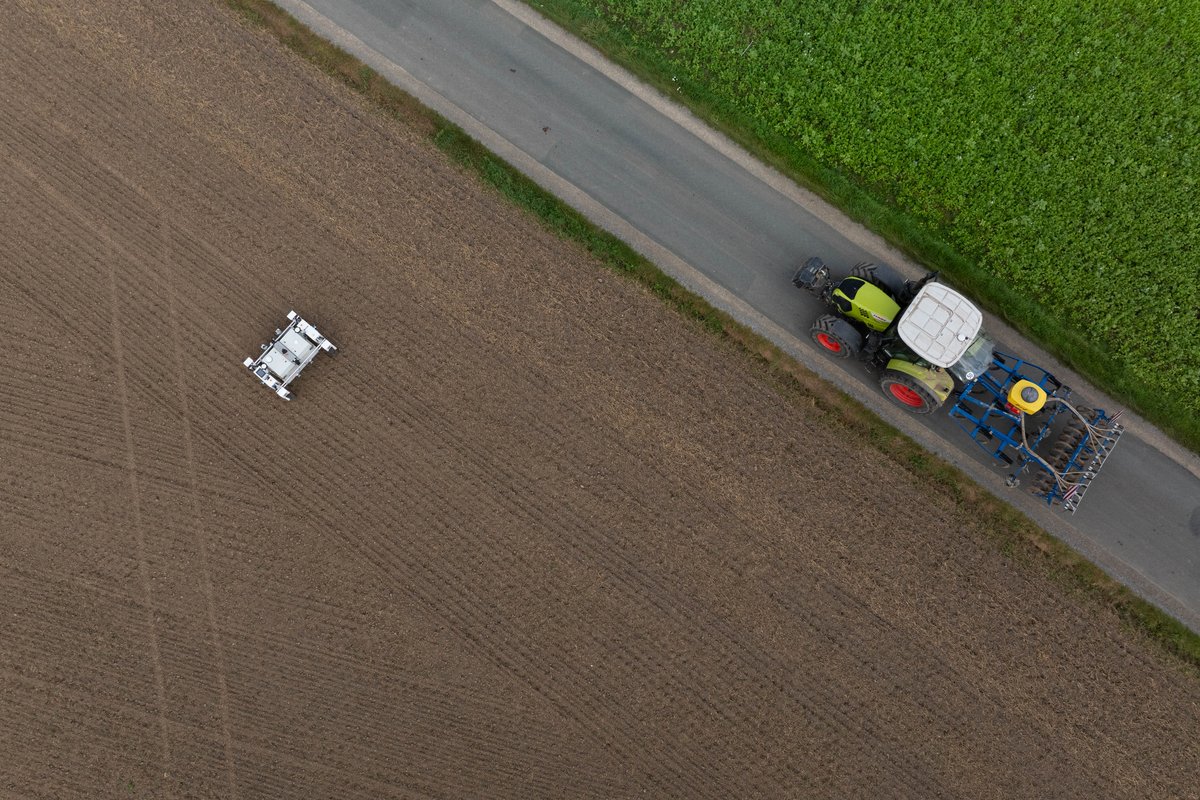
(906, 395)
(829, 343)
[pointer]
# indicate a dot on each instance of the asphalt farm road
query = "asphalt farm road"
(734, 231)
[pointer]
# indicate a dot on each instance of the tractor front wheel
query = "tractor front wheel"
(907, 392)
(836, 336)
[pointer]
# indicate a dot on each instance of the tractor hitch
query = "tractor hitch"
(812, 277)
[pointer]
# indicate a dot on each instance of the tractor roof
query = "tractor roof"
(939, 324)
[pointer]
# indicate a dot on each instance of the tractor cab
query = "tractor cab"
(939, 325)
(945, 329)
(935, 346)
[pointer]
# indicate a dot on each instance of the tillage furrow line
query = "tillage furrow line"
(308, 671)
(152, 474)
(750, 654)
(149, 241)
(273, 773)
(432, 739)
(311, 665)
(602, 548)
(477, 499)
(84, 701)
(385, 556)
(20, 405)
(60, 163)
(444, 597)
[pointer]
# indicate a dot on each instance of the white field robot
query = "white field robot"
(292, 350)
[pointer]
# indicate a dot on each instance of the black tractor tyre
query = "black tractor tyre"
(908, 393)
(881, 275)
(836, 336)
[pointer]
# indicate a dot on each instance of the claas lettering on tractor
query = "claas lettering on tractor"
(928, 344)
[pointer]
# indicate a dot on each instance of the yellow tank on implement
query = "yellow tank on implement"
(1027, 396)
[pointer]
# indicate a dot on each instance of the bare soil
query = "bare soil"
(529, 535)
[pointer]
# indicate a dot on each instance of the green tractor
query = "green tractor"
(926, 338)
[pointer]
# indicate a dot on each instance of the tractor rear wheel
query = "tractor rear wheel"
(881, 275)
(836, 336)
(909, 393)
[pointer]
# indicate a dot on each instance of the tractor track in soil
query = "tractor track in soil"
(528, 535)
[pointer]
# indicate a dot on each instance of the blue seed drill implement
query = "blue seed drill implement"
(1021, 415)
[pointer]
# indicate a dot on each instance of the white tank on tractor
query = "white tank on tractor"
(940, 324)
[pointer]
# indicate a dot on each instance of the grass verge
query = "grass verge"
(1010, 531)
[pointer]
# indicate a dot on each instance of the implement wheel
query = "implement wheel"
(907, 392)
(836, 337)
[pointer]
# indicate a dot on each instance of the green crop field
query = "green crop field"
(1050, 147)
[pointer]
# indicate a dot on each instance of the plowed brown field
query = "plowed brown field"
(529, 535)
